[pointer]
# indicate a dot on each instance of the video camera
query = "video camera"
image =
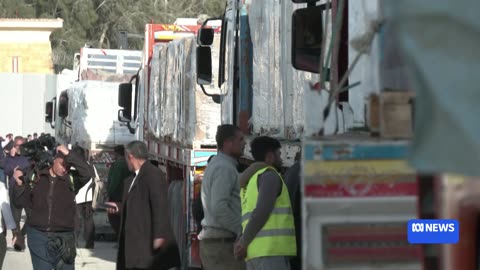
(41, 151)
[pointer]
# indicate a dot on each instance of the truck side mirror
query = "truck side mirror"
(205, 36)
(123, 116)
(204, 65)
(63, 105)
(125, 101)
(49, 112)
(307, 34)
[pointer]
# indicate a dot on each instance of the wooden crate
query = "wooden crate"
(396, 114)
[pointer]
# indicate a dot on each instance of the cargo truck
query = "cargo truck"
(164, 107)
(358, 191)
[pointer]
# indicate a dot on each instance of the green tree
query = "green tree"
(17, 9)
(98, 22)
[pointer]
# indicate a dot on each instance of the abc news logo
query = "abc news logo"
(433, 227)
(433, 231)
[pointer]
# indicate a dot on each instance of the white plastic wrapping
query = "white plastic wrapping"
(93, 110)
(278, 89)
(284, 104)
(154, 96)
(267, 111)
(178, 111)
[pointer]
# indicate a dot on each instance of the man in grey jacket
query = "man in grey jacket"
(221, 225)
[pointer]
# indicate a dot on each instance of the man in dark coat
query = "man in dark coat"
(146, 237)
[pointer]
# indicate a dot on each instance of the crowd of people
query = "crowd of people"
(247, 219)
(58, 200)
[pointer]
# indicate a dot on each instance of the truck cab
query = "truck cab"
(307, 73)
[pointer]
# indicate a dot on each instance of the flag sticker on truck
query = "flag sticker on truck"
(433, 231)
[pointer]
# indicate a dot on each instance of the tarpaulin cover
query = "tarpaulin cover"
(439, 40)
(178, 111)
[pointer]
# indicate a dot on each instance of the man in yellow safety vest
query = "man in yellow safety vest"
(268, 238)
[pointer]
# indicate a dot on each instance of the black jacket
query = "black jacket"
(51, 200)
(145, 216)
(2, 157)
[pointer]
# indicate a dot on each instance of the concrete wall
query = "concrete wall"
(25, 45)
(22, 102)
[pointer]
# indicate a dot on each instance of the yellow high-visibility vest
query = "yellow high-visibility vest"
(277, 237)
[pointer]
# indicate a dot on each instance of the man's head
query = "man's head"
(119, 151)
(19, 140)
(267, 149)
(29, 137)
(9, 136)
(35, 136)
(136, 153)
(59, 167)
(230, 140)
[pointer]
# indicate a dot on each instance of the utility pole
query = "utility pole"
(123, 37)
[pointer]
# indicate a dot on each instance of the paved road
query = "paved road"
(102, 257)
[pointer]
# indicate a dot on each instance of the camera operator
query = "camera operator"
(51, 201)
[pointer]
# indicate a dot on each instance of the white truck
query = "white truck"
(86, 99)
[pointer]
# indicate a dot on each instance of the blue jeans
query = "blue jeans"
(42, 258)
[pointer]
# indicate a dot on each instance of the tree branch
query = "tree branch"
(102, 36)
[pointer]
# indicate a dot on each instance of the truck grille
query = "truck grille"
(368, 244)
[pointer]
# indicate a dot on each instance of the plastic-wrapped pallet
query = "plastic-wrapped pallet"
(93, 110)
(154, 122)
(278, 89)
(178, 110)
